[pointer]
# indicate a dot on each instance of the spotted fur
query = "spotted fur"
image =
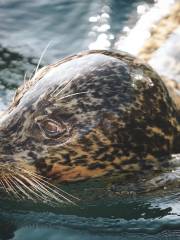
(116, 110)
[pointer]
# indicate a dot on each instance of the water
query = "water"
(168, 57)
(26, 27)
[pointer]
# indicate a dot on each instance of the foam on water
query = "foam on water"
(137, 36)
(166, 60)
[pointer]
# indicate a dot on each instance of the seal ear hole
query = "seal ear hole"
(52, 129)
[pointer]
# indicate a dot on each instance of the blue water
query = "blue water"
(26, 28)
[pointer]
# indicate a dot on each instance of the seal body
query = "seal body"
(92, 114)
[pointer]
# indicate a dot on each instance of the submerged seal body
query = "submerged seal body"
(92, 114)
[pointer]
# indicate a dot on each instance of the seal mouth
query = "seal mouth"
(26, 185)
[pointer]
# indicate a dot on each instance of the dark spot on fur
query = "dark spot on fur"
(96, 165)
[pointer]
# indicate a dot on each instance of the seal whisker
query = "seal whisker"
(45, 190)
(28, 188)
(51, 192)
(73, 94)
(68, 82)
(22, 187)
(25, 76)
(33, 183)
(4, 183)
(43, 179)
(41, 57)
(56, 192)
(46, 183)
(14, 188)
(38, 64)
(32, 187)
(9, 188)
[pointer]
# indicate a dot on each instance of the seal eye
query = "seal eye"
(52, 129)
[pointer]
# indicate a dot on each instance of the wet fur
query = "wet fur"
(118, 112)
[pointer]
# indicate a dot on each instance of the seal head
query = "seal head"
(92, 114)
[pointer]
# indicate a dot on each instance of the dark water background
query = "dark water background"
(26, 27)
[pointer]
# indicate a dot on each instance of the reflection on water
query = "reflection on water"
(136, 38)
(72, 234)
(155, 214)
(27, 26)
(140, 217)
(101, 29)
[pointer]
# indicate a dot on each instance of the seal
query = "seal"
(93, 114)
